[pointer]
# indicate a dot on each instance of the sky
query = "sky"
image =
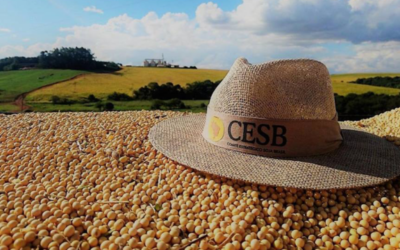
(349, 36)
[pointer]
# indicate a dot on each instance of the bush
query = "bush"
(194, 91)
(171, 104)
(203, 105)
(99, 106)
(156, 104)
(55, 99)
(92, 98)
(58, 100)
(175, 104)
(355, 107)
(109, 106)
(386, 81)
(119, 97)
(163, 92)
(200, 90)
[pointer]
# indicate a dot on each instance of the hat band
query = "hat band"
(270, 137)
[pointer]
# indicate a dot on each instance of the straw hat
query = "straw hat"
(276, 124)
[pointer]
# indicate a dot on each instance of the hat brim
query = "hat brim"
(362, 160)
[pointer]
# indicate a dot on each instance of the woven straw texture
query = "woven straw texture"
(286, 89)
(279, 90)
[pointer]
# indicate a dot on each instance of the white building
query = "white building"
(155, 62)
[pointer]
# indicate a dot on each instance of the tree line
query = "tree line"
(18, 62)
(169, 96)
(77, 58)
(382, 81)
(349, 107)
(108, 106)
(200, 90)
(356, 107)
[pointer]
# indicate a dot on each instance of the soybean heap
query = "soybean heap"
(93, 181)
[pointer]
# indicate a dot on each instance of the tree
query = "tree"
(92, 98)
(387, 81)
(17, 62)
(60, 58)
(119, 97)
(200, 90)
(176, 104)
(109, 106)
(73, 58)
(67, 58)
(355, 107)
(196, 91)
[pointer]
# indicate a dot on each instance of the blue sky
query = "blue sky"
(40, 20)
(346, 35)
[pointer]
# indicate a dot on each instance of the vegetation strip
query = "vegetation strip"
(20, 99)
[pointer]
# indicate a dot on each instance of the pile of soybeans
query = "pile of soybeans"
(94, 181)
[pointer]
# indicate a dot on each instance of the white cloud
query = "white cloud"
(180, 38)
(5, 30)
(369, 57)
(258, 30)
(353, 20)
(26, 39)
(19, 50)
(93, 9)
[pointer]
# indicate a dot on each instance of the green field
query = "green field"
(123, 81)
(132, 78)
(14, 83)
(8, 107)
(118, 106)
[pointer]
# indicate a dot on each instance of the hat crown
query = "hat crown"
(284, 89)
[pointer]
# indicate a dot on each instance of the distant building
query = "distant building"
(161, 63)
(155, 63)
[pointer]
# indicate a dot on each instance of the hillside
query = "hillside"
(342, 86)
(125, 81)
(131, 78)
(14, 83)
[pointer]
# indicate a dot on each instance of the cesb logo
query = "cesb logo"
(216, 129)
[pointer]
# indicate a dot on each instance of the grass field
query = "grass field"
(131, 78)
(8, 107)
(124, 81)
(342, 86)
(14, 83)
(118, 106)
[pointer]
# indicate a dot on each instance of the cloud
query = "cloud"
(19, 50)
(5, 30)
(369, 57)
(353, 20)
(258, 30)
(93, 9)
(26, 39)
